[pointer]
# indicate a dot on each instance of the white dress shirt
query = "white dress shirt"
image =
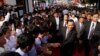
(81, 26)
(38, 43)
(67, 31)
(57, 22)
(18, 32)
(6, 19)
(91, 27)
(21, 52)
(2, 50)
(64, 24)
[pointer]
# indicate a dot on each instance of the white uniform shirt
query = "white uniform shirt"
(6, 19)
(21, 52)
(57, 22)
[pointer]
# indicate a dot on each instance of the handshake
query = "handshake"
(55, 45)
(47, 48)
(99, 48)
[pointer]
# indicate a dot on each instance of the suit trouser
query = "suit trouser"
(93, 47)
(86, 47)
(67, 50)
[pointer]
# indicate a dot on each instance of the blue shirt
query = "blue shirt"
(38, 43)
(44, 39)
(32, 52)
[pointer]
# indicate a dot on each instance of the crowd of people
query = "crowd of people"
(37, 33)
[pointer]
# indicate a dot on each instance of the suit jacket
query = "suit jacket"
(63, 32)
(96, 34)
(56, 34)
(71, 37)
(79, 31)
(68, 44)
(53, 26)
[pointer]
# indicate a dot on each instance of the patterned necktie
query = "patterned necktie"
(67, 32)
(91, 31)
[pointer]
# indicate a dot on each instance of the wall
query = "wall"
(30, 5)
(10, 2)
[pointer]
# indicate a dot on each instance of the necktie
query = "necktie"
(57, 22)
(66, 34)
(81, 26)
(91, 31)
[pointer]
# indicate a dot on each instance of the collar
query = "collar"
(94, 23)
(39, 38)
(21, 52)
(80, 23)
(56, 17)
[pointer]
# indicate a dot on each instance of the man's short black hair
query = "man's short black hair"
(70, 20)
(73, 23)
(9, 53)
(81, 17)
(25, 40)
(4, 29)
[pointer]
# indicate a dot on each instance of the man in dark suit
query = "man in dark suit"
(63, 24)
(80, 26)
(91, 35)
(56, 20)
(55, 27)
(65, 19)
(69, 33)
(80, 31)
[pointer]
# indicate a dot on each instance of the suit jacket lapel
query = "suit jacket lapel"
(78, 27)
(56, 23)
(96, 26)
(88, 27)
(54, 20)
(65, 28)
(68, 36)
